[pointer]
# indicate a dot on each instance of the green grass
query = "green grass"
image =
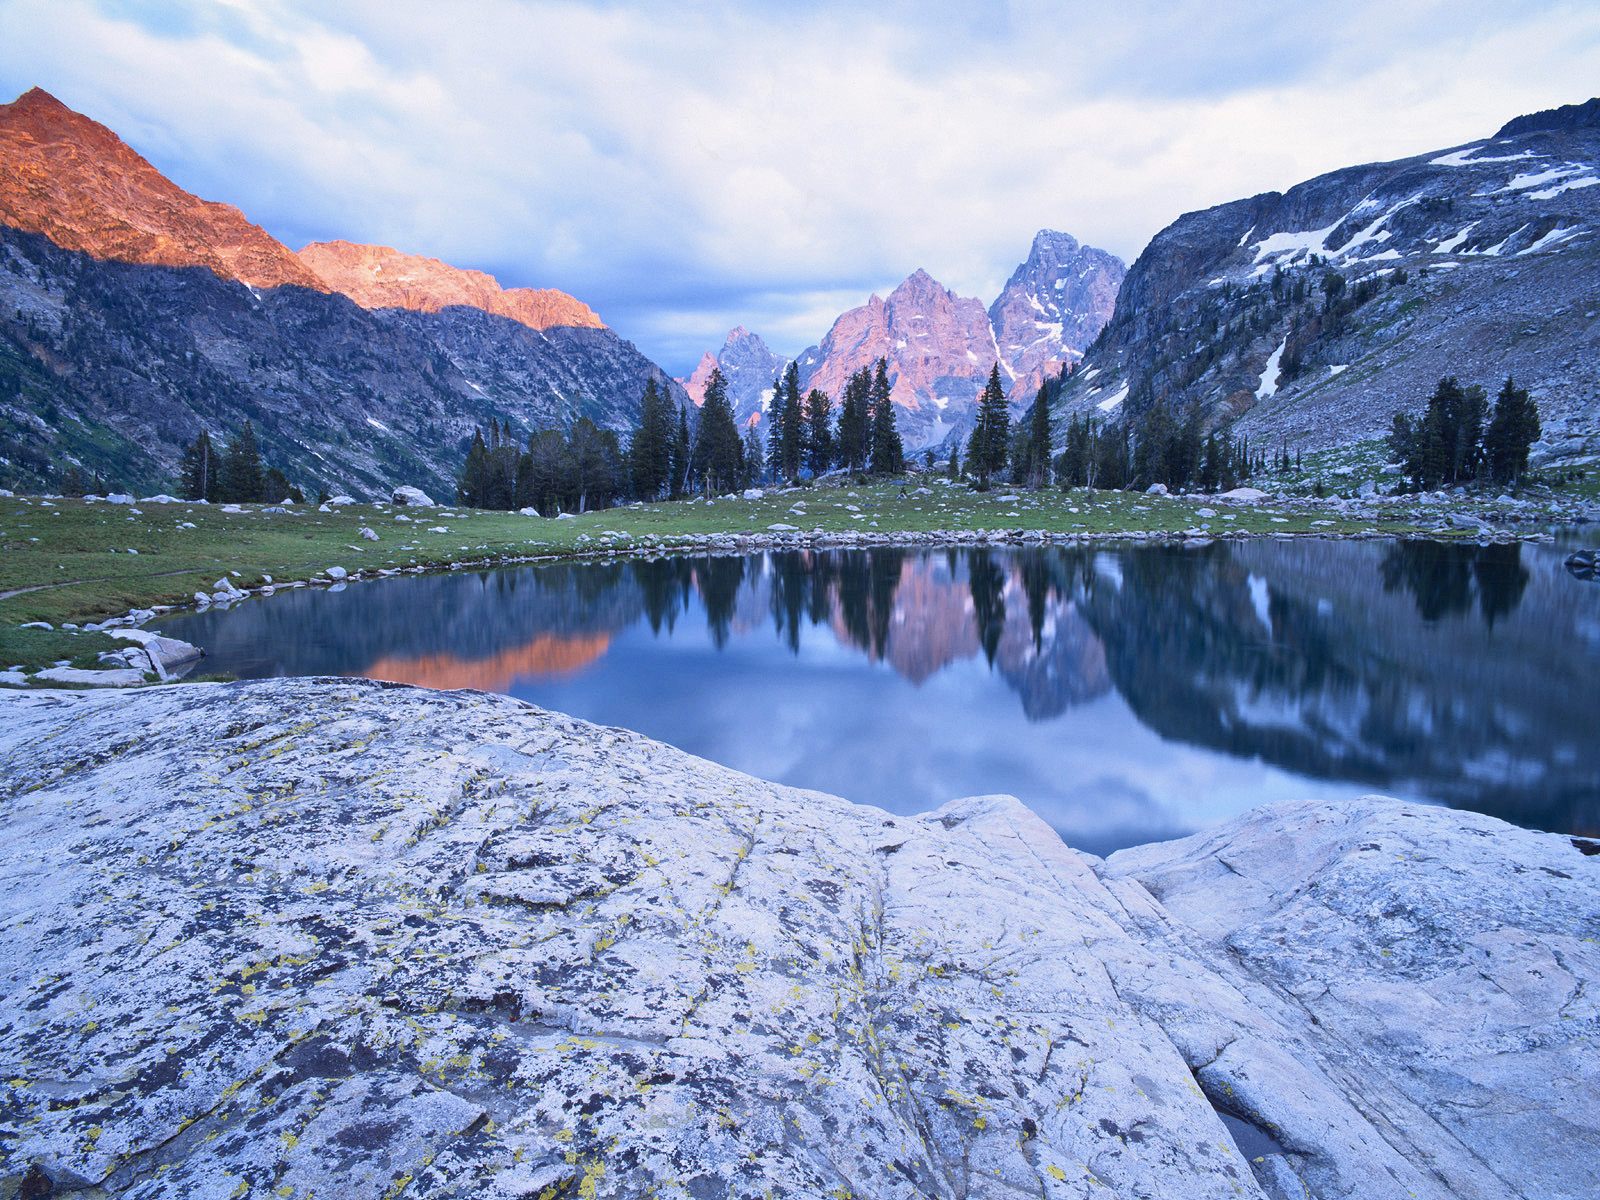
(36, 648)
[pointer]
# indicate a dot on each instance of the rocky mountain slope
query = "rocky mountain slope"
(133, 315)
(321, 936)
(940, 347)
(1311, 316)
(749, 366)
(1053, 306)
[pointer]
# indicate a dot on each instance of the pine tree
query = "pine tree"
(955, 462)
(791, 431)
(717, 461)
(855, 421)
(473, 487)
(819, 431)
(200, 473)
(1511, 433)
(1038, 443)
(681, 455)
(277, 487)
(241, 468)
(597, 469)
(775, 424)
(887, 450)
(650, 451)
(752, 456)
(987, 453)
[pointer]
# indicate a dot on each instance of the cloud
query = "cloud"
(685, 168)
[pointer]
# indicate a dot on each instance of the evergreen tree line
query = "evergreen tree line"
(802, 435)
(555, 472)
(232, 474)
(1458, 440)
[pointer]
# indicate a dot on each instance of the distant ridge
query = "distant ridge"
(1568, 116)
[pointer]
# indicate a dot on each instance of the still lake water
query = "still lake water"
(1126, 695)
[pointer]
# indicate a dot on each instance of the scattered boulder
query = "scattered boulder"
(169, 658)
(1244, 495)
(754, 494)
(780, 527)
(413, 497)
(119, 498)
(341, 501)
(1584, 564)
(368, 534)
(336, 573)
(1156, 489)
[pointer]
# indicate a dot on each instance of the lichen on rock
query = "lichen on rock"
(334, 937)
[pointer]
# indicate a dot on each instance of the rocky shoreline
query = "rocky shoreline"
(343, 938)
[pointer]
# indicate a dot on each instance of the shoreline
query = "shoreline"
(730, 544)
(226, 553)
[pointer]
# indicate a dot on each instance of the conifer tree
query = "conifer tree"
(277, 487)
(681, 455)
(855, 421)
(1512, 431)
(752, 456)
(887, 451)
(819, 431)
(775, 424)
(791, 431)
(1037, 466)
(473, 487)
(717, 461)
(241, 468)
(987, 453)
(650, 451)
(200, 472)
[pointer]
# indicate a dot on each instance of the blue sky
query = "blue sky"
(686, 167)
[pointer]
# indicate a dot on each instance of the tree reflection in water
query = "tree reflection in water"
(1467, 674)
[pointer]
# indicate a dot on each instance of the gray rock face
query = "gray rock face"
(1055, 303)
(339, 937)
(119, 366)
(749, 366)
(1314, 315)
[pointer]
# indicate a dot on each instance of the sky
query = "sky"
(686, 167)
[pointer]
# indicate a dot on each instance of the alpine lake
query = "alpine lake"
(1126, 694)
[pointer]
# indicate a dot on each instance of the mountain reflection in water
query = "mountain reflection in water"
(1160, 690)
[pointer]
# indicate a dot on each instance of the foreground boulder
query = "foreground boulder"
(330, 937)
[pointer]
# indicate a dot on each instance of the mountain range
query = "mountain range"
(134, 314)
(1310, 317)
(940, 347)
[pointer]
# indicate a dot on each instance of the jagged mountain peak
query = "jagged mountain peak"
(1052, 307)
(941, 346)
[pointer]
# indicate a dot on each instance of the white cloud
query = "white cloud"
(688, 168)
